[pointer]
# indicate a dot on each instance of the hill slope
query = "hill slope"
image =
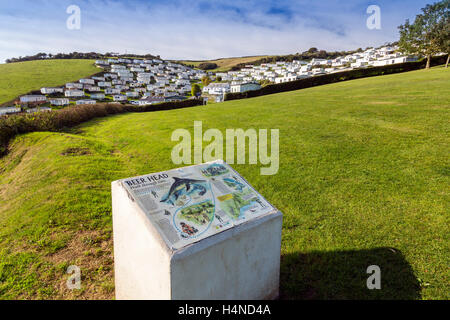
(22, 77)
(224, 64)
(363, 180)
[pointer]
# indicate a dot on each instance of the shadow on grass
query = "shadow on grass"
(342, 275)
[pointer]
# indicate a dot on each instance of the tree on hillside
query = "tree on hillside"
(195, 89)
(425, 35)
(444, 42)
(264, 82)
(207, 66)
(206, 80)
(443, 31)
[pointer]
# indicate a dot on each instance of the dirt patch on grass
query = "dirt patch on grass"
(443, 107)
(76, 152)
(92, 252)
(386, 103)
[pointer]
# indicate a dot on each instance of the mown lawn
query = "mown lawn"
(363, 180)
(19, 78)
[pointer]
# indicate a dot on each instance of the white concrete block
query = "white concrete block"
(195, 233)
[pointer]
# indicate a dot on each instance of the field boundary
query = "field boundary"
(57, 120)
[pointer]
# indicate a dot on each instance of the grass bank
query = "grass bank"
(363, 180)
(20, 78)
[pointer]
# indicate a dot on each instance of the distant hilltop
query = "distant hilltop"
(233, 63)
(80, 55)
(237, 63)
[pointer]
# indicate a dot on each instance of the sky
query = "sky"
(198, 29)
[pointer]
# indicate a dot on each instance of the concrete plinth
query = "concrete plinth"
(196, 233)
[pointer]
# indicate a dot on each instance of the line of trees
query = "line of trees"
(78, 55)
(429, 34)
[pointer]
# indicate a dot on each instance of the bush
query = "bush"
(207, 66)
(335, 77)
(195, 89)
(12, 125)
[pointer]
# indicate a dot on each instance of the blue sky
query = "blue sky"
(197, 29)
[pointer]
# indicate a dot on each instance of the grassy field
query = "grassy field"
(224, 64)
(363, 180)
(22, 77)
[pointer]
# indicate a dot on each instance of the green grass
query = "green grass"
(363, 180)
(19, 78)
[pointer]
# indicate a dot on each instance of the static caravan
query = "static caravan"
(98, 96)
(132, 94)
(112, 91)
(39, 109)
(102, 62)
(74, 86)
(120, 97)
(87, 81)
(86, 101)
(99, 78)
(33, 98)
(244, 87)
(74, 93)
(93, 89)
(104, 84)
(60, 101)
(52, 90)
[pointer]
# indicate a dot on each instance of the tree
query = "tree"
(443, 30)
(219, 79)
(206, 80)
(207, 66)
(264, 82)
(195, 89)
(444, 42)
(425, 36)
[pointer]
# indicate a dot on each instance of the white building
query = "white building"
(39, 109)
(86, 101)
(132, 94)
(98, 96)
(93, 89)
(112, 91)
(102, 62)
(74, 86)
(60, 101)
(120, 97)
(217, 88)
(288, 78)
(104, 84)
(244, 87)
(33, 98)
(74, 93)
(9, 110)
(51, 90)
(87, 81)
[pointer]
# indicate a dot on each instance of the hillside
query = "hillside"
(22, 77)
(224, 64)
(363, 180)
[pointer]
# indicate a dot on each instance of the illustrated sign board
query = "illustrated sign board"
(193, 203)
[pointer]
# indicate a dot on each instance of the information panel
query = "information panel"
(190, 204)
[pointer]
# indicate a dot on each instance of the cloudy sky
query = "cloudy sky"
(197, 29)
